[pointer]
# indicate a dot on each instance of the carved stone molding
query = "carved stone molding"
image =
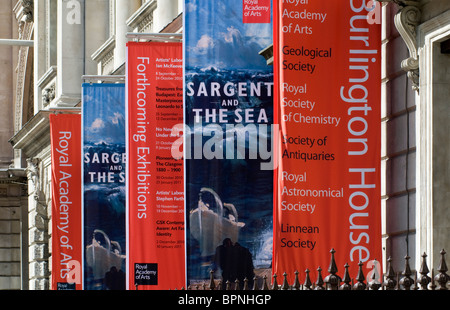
(24, 100)
(142, 19)
(28, 8)
(406, 21)
(33, 174)
(24, 11)
(48, 94)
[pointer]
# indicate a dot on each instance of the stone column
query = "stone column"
(165, 12)
(97, 30)
(40, 65)
(6, 86)
(71, 51)
(124, 9)
(180, 6)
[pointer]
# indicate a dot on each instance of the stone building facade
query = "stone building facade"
(72, 39)
(76, 38)
(415, 122)
(16, 102)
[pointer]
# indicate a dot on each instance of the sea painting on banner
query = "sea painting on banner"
(104, 186)
(228, 117)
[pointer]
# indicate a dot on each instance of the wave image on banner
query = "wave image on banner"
(104, 197)
(228, 117)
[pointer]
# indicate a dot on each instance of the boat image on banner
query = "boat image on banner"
(104, 242)
(228, 113)
(103, 254)
(213, 221)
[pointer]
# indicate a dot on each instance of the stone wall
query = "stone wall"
(12, 202)
(416, 131)
(398, 145)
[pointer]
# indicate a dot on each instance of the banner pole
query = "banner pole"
(155, 36)
(13, 42)
(103, 77)
(65, 109)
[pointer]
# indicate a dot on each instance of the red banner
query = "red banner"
(156, 256)
(327, 89)
(66, 201)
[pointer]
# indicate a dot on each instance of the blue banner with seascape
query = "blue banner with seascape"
(227, 146)
(104, 186)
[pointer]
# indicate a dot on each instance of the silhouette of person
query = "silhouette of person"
(244, 265)
(110, 278)
(115, 279)
(121, 280)
(223, 258)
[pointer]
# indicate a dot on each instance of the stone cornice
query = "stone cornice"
(143, 16)
(33, 135)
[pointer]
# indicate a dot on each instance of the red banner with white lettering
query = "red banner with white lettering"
(327, 64)
(65, 133)
(156, 256)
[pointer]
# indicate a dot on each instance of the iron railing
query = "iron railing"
(390, 281)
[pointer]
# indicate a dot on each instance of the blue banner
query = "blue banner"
(228, 117)
(104, 186)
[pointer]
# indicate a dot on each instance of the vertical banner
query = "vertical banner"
(65, 135)
(155, 194)
(327, 62)
(104, 186)
(228, 159)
